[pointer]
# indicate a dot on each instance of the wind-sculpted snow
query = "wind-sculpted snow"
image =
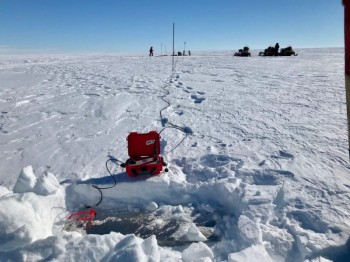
(262, 176)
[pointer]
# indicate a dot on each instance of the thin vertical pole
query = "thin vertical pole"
(346, 4)
(173, 68)
(161, 49)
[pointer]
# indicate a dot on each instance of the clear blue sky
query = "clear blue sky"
(135, 25)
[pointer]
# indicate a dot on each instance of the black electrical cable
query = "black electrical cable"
(164, 120)
(175, 146)
(166, 124)
(114, 160)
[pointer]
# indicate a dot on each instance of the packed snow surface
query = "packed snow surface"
(263, 161)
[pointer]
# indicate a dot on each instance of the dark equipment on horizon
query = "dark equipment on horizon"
(271, 51)
(243, 52)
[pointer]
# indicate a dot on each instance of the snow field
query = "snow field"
(267, 157)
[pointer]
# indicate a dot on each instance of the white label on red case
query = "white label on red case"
(150, 142)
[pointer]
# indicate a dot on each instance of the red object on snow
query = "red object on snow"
(144, 153)
(84, 216)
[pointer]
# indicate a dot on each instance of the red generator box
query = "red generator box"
(144, 153)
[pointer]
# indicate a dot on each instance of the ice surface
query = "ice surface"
(264, 164)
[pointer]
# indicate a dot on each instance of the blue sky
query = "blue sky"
(135, 25)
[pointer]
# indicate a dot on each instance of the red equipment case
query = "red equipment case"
(144, 153)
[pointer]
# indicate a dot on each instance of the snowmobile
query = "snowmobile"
(243, 52)
(271, 51)
(288, 51)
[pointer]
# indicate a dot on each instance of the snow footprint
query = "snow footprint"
(280, 156)
(197, 99)
(211, 166)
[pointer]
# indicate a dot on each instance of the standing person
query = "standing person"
(277, 46)
(151, 51)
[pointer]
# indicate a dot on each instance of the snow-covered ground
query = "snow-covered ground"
(266, 164)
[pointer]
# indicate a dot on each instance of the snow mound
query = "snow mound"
(249, 230)
(255, 253)
(46, 184)
(4, 191)
(197, 252)
(190, 232)
(27, 181)
(132, 248)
